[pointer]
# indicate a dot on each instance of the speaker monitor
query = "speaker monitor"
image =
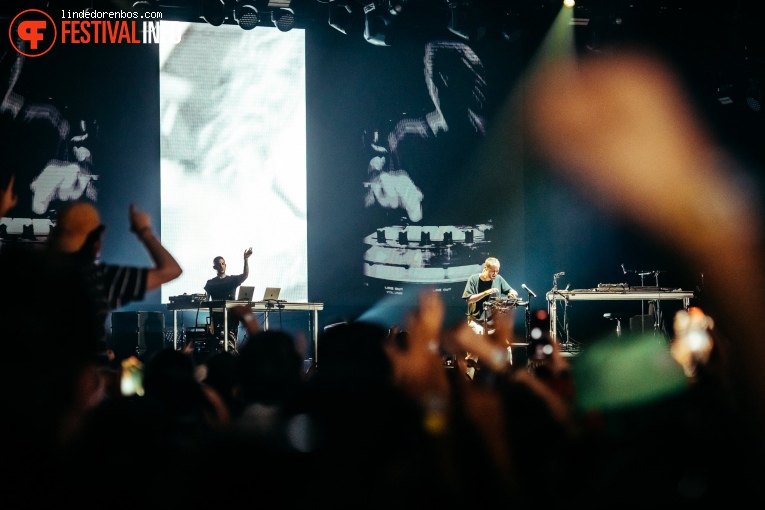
(137, 333)
(642, 324)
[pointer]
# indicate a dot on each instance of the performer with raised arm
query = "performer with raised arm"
(223, 287)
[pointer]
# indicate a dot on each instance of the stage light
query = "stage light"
(213, 12)
(464, 22)
(569, 3)
(381, 236)
(246, 15)
(339, 15)
(143, 6)
(395, 6)
(458, 24)
(512, 26)
(283, 19)
(754, 96)
(724, 93)
(403, 238)
(377, 26)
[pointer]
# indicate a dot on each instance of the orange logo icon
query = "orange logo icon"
(32, 33)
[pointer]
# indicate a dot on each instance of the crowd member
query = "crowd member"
(78, 235)
(8, 197)
(499, 460)
(155, 445)
(632, 124)
(50, 372)
(220, 371)
(369, 442)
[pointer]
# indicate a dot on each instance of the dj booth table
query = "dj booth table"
(555, 296)
(267, 307)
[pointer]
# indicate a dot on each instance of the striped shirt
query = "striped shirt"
(113, 287)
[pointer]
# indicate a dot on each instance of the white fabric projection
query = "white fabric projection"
(233, 172)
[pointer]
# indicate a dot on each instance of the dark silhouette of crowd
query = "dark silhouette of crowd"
(381, 420)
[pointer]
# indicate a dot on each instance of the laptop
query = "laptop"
(245, 293)
(271, 294)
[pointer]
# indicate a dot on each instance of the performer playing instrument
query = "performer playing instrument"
(479, 289)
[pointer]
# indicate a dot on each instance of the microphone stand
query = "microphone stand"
(657, 310)
(530, 293)
(565, 320)
(550, 304)
(642, 303)
(642, 275)
(658, 318)
(554, 303)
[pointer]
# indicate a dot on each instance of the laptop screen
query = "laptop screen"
(271, 294)
(245, 293)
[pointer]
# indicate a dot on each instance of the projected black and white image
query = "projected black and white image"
(233, 148)
(427, 238)
(47, 147)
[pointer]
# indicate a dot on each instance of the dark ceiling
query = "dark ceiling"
(711, 26)
(723, 35)
(719, 44)
(728, 30)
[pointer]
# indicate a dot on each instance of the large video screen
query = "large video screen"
(233, 155)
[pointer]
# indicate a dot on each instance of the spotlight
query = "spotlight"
(142, 6)
(246, 15)
(458, 20)
(724, 93)
(569, 3)
(283, 19)
(213, 12)
(377, 27)
(512, 26)
(339, 15)
(754, 96)
(462, 21)
(395, 6)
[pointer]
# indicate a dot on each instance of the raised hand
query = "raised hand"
(417, 366)
(8, 198)
(139, 220)
(243, 313)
